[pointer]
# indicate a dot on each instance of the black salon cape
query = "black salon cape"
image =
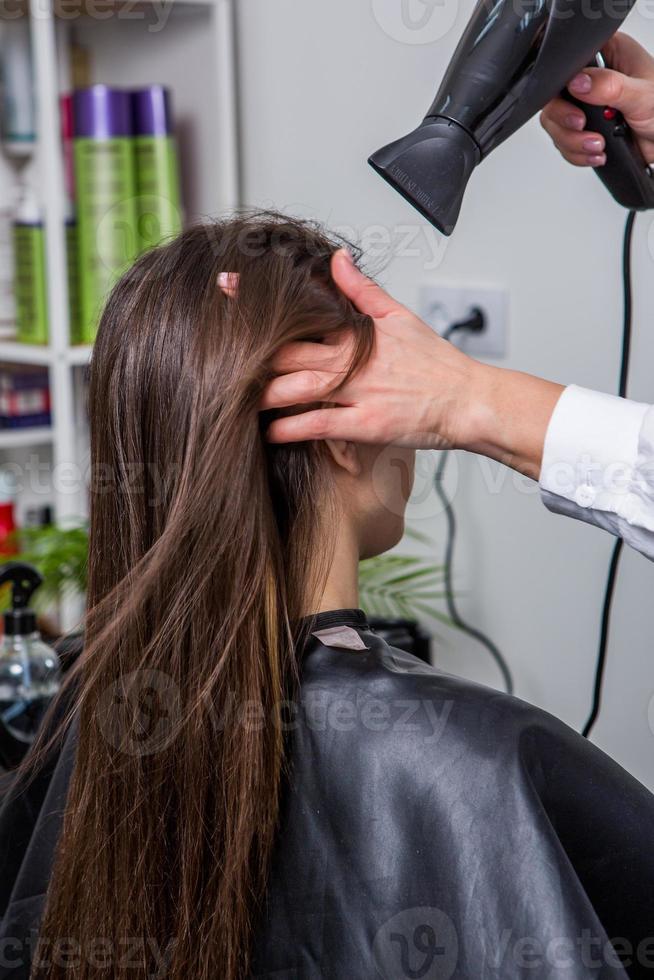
(431, 828)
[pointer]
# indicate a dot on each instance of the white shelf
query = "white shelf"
(17, 353)
(14, 352)
(79, 355)
(18, 438)
(195, 57)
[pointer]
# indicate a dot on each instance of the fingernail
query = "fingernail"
(593, 145)
(348, 255)
(575, 121)
(597, 160)
(228, 282)
(581, 83)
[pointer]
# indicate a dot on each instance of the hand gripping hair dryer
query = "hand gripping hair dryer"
(514, 56)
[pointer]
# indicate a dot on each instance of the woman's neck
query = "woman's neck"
(341, 589)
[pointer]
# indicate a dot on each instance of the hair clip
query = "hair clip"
(228, 282)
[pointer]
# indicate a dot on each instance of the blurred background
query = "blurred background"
(190, 109)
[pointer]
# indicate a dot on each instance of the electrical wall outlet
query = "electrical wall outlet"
(440, 306)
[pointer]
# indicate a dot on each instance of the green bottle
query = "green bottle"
(106, 209)
(29, 272)
(72, 260)
(157, 167)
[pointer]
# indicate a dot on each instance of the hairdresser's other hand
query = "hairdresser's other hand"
(415, 390)
(628, 86)
(408, 393)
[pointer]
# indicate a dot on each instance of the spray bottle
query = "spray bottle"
(106, 209)
(29, 668)
(156, 167)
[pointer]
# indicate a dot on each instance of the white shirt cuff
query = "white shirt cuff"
(591, 453)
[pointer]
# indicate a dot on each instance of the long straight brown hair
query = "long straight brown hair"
(201, 541)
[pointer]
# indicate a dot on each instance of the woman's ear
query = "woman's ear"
(346, 455)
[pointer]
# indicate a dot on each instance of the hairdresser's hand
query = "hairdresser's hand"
(416, 390)
(628, 86)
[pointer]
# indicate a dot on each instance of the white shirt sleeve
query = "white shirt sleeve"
(598, 464)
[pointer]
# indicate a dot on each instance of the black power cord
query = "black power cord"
(617, 548)
(475, 323)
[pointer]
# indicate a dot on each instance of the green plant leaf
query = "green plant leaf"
(60, 554)
(401, 587)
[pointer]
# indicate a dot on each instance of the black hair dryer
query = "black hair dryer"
(514, 56)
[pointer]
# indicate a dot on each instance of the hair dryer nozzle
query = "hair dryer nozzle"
(430, 168)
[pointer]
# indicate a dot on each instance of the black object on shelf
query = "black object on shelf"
(406, 634)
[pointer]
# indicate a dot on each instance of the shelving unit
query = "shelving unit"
(34, 436)
(187, 45)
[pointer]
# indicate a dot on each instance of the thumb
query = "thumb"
(367, 296)
(623, 53)
(604, 86)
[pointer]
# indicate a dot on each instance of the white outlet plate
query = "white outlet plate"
(439, 306)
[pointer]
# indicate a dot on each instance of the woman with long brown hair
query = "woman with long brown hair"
(252, 783)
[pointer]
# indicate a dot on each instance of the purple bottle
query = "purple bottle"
(106, 192)
(157, 166)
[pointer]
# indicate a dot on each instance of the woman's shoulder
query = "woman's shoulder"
(418, 717)
(344, 665)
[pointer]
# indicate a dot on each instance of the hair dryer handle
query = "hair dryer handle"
(626, 173)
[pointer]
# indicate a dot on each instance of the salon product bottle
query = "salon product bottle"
(8, 544)
(29, 668)
(72, 258)
(7, 302)
(18, 112)
(29, 271)
(66, 120)
(156, 167)
(72, 262)
(105, 193)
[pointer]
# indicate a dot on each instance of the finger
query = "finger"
(571, 143)
(624, 54)
(560, 112)
(321, 423)
(299, 388)
(228, 282)
(603, 86)
(584, 159)
(366, 295)
(302, 355)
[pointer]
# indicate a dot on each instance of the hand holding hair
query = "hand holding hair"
(416, 390)
(392, 398)
(628, 85)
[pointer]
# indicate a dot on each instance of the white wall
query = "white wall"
(325, 82)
